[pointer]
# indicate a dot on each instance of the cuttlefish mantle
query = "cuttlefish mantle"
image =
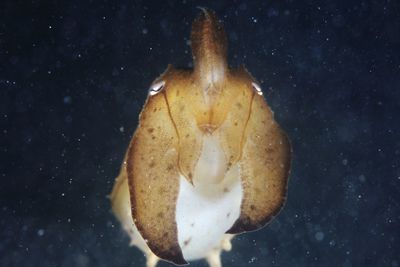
(207, 160)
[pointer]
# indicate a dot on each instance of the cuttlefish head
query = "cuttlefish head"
(211, 99)
(210, 89)
(205, 136)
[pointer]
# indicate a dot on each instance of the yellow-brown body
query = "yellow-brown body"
(210, 132)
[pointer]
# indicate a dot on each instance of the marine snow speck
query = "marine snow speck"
(207, 160)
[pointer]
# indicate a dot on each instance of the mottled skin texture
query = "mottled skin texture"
(210, 99)
(265, 164)
(152, 168)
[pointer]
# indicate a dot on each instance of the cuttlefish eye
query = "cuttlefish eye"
(257, 88)
(155, 88)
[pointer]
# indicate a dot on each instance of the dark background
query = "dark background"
(74, 76)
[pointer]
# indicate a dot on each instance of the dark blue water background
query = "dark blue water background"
(74, 76)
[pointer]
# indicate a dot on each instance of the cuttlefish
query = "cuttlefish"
(207, 160)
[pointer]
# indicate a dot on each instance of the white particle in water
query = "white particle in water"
(253, 259)
(40, 232)
(319, 236)
(67, 99)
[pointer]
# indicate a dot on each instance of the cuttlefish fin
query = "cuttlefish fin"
(121, 207)
(265, 165)
(153, 176)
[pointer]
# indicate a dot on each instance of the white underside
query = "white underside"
(207, 209)
(204, 212)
